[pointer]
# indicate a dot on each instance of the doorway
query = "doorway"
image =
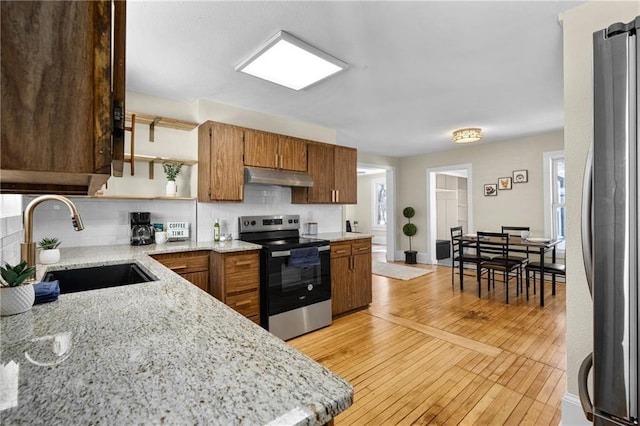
(450, 203)
(375, 212)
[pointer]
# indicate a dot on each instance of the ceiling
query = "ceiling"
(417, 70)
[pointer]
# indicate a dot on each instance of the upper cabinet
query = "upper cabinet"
(273, 151)
(220, 165)
(334, 172)
(62, 119)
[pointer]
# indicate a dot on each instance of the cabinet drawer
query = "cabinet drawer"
(341, 249)
(242, 272)
(248, 304)
(184, 263)
(361, 247)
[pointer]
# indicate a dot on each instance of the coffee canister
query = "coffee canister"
(313, 228)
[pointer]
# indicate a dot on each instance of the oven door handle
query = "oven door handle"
(287, 253)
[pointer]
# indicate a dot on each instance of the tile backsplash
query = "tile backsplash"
(106, 221)
(10, 228)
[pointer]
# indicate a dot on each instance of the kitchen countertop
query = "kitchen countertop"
(340, 236)
(157, 352)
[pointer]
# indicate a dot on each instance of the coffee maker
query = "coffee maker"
(141, 228)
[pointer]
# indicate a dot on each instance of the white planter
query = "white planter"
(16, 300)
(172, 190)
(48, 257)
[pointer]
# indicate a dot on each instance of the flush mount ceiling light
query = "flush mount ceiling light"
(290, 62)
(472, 134)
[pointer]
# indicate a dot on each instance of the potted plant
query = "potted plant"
(409, 229)
(15, 295)
(50, 253)
(171, 170)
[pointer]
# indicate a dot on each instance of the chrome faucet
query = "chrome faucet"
(28, 247)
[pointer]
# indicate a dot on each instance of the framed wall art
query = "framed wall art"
(520, 176)
(490, 190)
(504, 183)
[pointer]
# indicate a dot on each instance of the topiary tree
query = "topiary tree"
(409, 229)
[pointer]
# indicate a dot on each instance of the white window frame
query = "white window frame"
(374, 204)
(550, 207)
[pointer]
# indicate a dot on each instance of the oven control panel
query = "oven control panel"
(268, 223)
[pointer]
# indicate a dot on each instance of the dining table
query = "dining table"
(521, 245)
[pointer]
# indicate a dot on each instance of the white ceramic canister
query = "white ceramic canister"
(312, 228)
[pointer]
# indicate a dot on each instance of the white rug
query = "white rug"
(400, 272)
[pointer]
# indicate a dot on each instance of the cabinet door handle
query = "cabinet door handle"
(363, 248)
(277, 161)
(337, 196)
(241, 191)
(340, 251)
(244, 302)
(175, 268)
(333, 196)
(243, 263)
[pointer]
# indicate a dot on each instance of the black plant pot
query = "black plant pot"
(410, 257)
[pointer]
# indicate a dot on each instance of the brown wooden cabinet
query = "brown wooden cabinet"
(221, 168)
(235, 280)
(273, 151)
(350, 275)
(58, 129)
(333, 169)
(191, 265)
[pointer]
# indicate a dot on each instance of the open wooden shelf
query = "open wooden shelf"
(141, 197)
(160, 121)
(152, 160)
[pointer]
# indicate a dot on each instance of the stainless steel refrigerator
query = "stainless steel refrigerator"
(611, 229)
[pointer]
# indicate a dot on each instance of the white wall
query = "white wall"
(521, 205)
(579, 24)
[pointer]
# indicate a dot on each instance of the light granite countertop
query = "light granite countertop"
(156, 352)
(340, 236)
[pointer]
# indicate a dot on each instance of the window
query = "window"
(379, 203)
(555, 212)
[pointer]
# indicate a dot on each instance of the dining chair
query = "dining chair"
(486, 244)
(458, 253)
(552, 269)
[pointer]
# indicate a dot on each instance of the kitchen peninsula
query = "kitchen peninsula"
(157, 352)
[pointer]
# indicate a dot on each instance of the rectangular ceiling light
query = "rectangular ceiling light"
(290, 62)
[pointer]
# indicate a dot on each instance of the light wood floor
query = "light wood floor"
(424, 353)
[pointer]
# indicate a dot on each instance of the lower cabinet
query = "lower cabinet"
(190, 265)
(235, 280)
(350, 275)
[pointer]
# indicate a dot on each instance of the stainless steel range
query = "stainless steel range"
(295, 275)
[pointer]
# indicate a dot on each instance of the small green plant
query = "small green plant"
(49, 243)
(172, 170)
(15, 275)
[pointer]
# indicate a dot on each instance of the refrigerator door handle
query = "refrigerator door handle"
(587, 220)
(583, 389)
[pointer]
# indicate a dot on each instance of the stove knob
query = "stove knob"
(290, 221)
(295, 220)
(253, 222)
(310, 287)
(246, 223)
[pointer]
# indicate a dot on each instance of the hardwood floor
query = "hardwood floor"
(424, 353)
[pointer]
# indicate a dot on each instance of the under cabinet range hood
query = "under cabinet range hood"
(276, 177)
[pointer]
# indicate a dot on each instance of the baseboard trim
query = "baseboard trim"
(572, 414)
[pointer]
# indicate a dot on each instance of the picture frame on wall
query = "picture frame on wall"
(490, 190)
(520, 176)
(504, 183)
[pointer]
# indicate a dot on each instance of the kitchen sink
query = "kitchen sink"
(93, 278)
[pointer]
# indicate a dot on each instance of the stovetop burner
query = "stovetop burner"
(280, 232)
